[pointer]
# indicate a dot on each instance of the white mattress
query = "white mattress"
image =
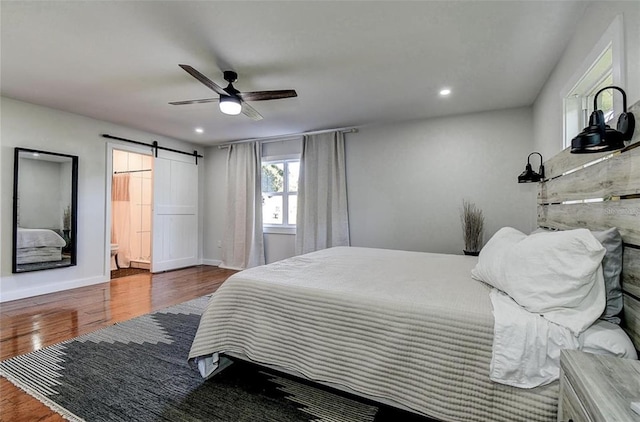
(406, 327)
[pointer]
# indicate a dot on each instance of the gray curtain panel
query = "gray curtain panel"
(243, 241)
(322, 219)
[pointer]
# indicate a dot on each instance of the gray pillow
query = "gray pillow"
(611, 269)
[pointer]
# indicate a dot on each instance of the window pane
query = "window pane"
(273, 177)
(271, 209)
(605, 99)
(294, 171)
(293, 209)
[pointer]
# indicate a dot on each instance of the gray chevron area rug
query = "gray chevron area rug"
(137, 371)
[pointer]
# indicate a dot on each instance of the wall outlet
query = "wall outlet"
(220, 243)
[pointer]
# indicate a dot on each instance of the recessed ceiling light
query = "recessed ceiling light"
(444, 92)
(199, 130)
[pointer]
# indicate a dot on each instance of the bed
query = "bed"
(416, 330)
(378, 327)
(38, 245)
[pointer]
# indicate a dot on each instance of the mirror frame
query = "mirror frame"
(72, 247)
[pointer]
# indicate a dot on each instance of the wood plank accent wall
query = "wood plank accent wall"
(623, 214)
(600, 191)
(630, 278)
(616, 176)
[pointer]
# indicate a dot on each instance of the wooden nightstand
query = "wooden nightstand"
(596, 388)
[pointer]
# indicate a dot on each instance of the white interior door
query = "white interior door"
(175, 212)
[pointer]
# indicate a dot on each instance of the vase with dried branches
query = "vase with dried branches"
(472, 227)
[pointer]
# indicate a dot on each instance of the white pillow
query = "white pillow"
(611, 269)
(606, 338)
(555, 274)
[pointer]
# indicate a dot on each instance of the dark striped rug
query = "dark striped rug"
(137, 371)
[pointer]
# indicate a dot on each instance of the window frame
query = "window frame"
(285, 227)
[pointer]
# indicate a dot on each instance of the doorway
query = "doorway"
(131, 212)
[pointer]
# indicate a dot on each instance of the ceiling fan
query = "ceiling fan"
(231, 100)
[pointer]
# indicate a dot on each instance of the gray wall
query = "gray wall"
(406, 183)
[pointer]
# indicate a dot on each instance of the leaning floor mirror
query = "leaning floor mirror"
(45, 200)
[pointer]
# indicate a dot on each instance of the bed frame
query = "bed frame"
(566, 201)
(600, 191)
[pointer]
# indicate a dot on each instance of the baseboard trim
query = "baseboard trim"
(6, 296)
(138, 264)
(212, 262)
(227, 267)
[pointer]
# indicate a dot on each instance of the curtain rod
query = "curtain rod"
(155, 146)
(291, 136)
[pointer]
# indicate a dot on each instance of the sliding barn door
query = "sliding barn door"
(175, 212)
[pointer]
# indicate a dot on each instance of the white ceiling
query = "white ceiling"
(352, 63)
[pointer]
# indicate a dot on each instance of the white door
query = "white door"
(175, 211)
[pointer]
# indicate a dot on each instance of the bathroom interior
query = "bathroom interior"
(131, 199)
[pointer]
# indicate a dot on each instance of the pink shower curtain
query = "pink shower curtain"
(121, 217)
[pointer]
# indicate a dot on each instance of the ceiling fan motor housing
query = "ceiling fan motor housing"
(230, 76)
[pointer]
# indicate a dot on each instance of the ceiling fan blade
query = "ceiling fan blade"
(268, 95)
(250, 112)
(205, 100)
(206, 81)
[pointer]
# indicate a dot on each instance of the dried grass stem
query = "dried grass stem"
(472, 226)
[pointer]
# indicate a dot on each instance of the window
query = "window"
(579, 103)
(601, 68)
(280, 192)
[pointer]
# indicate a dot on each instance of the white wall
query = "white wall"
(406, 183)
(547, 110)
(30, 126)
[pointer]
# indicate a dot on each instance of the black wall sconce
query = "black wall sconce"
(530, 176)
(598, 136)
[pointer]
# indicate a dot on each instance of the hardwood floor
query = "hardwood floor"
(31, 324)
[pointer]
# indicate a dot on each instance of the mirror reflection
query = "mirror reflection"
(44, 210)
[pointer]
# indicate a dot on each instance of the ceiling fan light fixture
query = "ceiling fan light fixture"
(230, 105)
